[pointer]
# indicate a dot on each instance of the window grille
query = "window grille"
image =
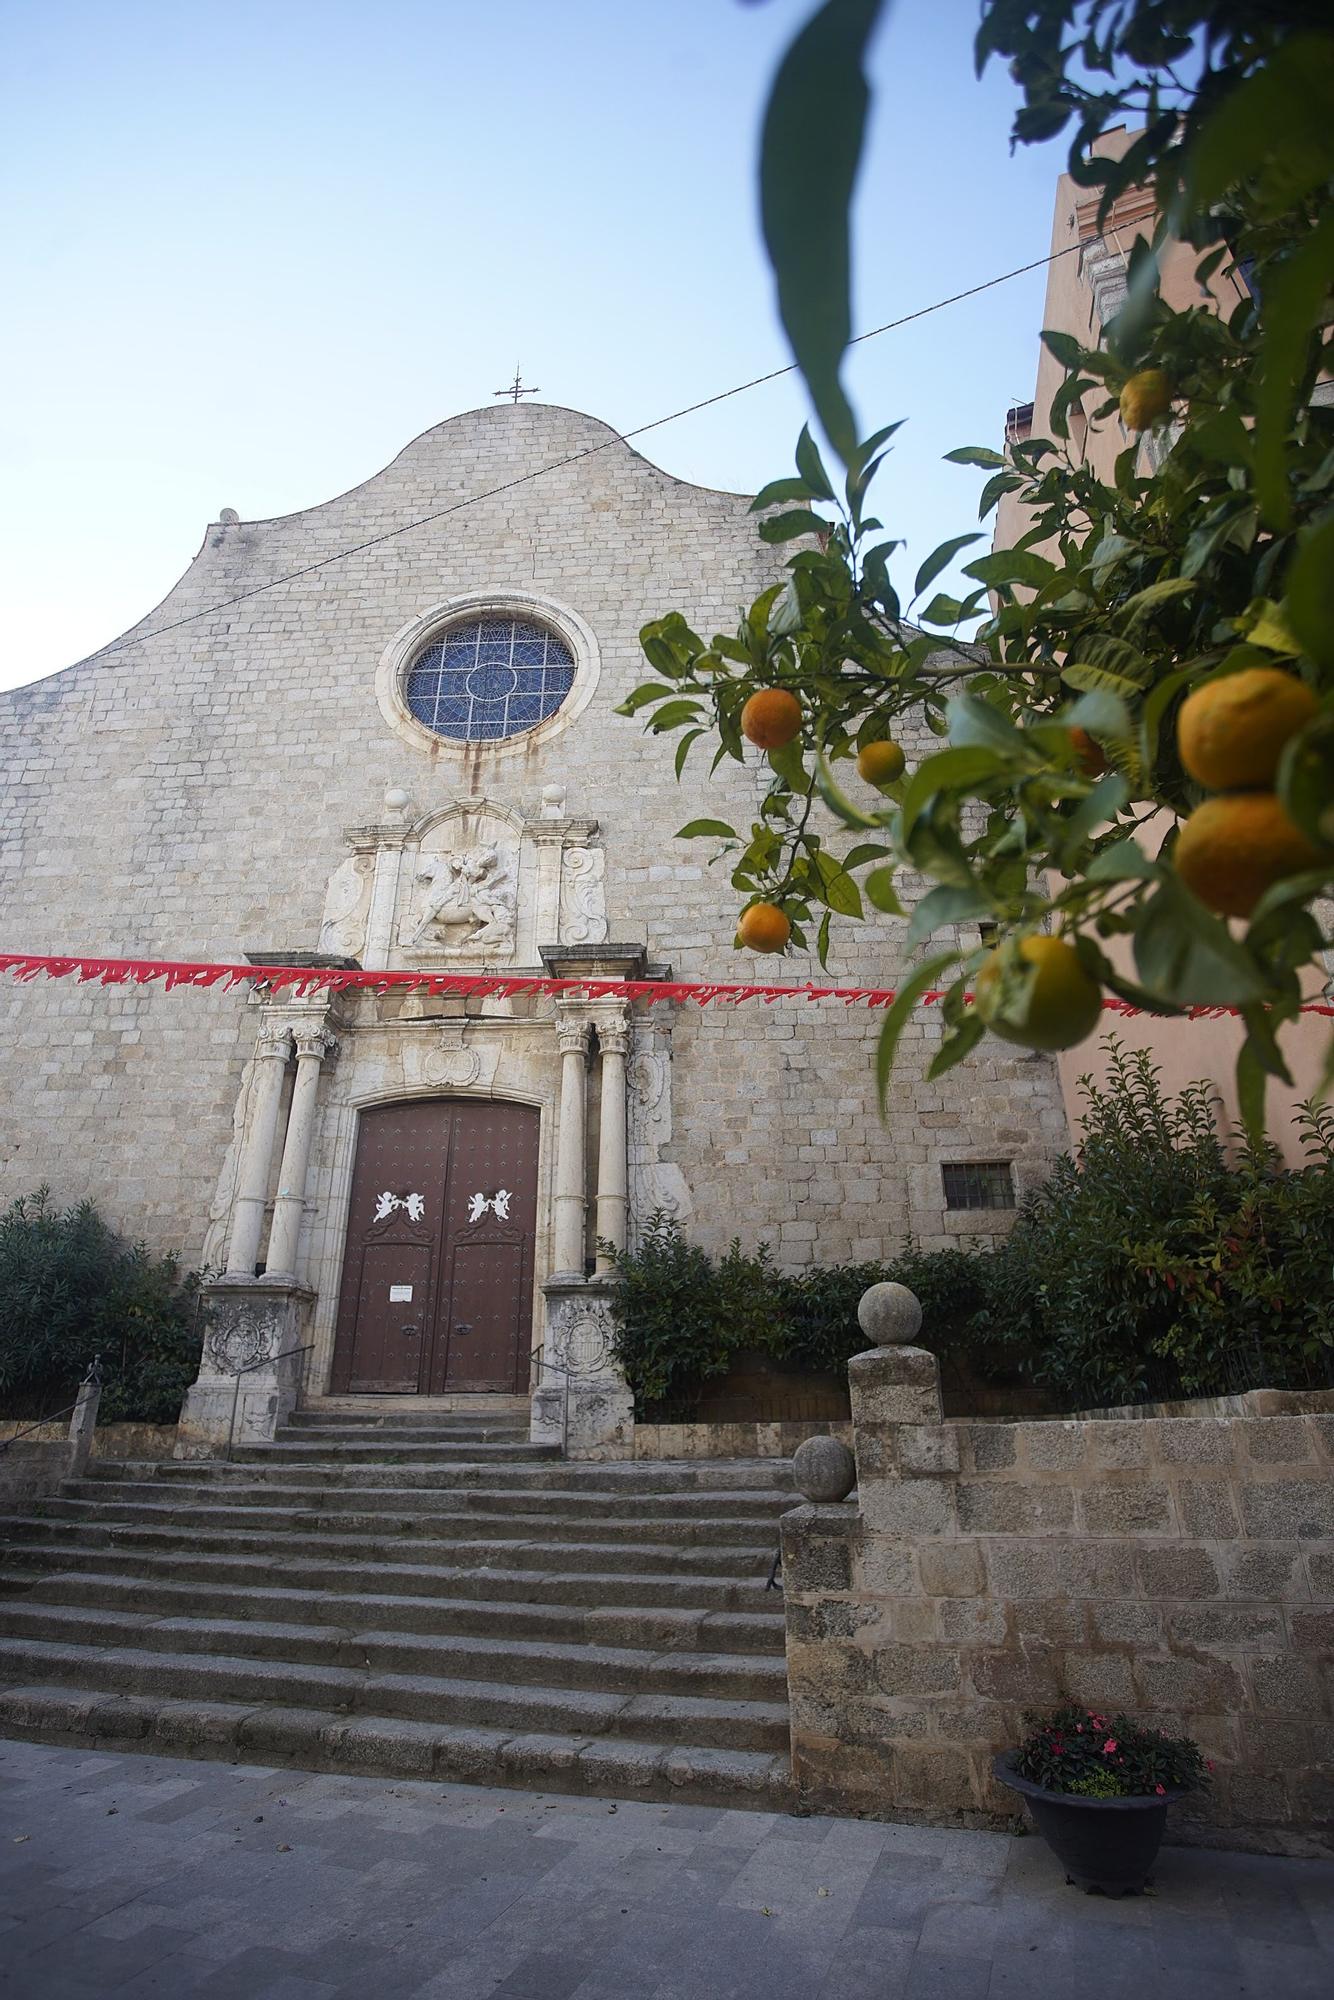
(979, 1184)
(489, 678)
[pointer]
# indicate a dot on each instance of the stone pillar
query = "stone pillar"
(571, 1195)
(612, 1197)
(312, 1046)
(83, 1423)
(251, 1366)
(252, 1181)
(581, 1400)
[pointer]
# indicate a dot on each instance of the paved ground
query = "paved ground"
(138, 1875)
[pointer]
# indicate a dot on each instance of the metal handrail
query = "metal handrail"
(265, 1361)
(93, 1379)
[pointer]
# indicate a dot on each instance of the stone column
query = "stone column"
(571, 1198)
(612, 1197)
(312, 1046)
(252, 1180)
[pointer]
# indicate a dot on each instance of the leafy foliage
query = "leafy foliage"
(1108, 1757)
(681, 1317)
(71, 1288)
(1155, 1265)
(1152, 1266)
(1208, 550)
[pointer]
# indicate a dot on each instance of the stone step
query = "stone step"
(469, 1551)
(458, 1524)
(441, 1431)
(571, 1712)
(318, 1740)
(743, 1477)
(424, 1451)
(540, 1586)
(690, 1629)
(618, 1669)
(556, 1504)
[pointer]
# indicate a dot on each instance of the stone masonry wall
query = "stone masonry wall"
(185, 796)
(1179, 1569)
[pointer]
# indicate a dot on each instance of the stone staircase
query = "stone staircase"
(417, 1594)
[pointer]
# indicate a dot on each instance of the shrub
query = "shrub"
(1155, 1265)
(1107, 1757)
(70, 1288)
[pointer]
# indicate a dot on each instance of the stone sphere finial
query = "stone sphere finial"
(395, 799)
(824, 1469)
(890, 1315)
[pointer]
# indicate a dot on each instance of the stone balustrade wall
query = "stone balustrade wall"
(1180, 1569)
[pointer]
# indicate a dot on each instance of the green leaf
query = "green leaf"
(1012, 566)
(646, 692)
(958, 769)
(1310, 598)
(811, 466)
(1102, 713)
(837, 799)
(972, 721)
(1103, 803)
(1064, 346)
(1186, 954)
(900, 1013)
(786, 527)
(696, 827)
(945, 905)
(683, 749)
(1144, 601)
(787, 762)
(976, 454)
(881, 893)
(1100, 680)
(837, 888)
(940, 559)
(866, 850)
(810, 152)
(1305, 781)
(1124, 862)
(1295, 301)
(672, 714)
(1251, 1086)
(778, 492)
(956, 1046)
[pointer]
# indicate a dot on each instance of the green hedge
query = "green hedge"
(1156, 1264)
(70, 1288)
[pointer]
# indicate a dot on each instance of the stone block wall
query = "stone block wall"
(1180, 1569)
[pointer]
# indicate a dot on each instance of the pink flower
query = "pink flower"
(1208, 1763)
(1161, 1789)
(1109, 1746)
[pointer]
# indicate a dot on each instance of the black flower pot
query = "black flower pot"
(1106, 1844)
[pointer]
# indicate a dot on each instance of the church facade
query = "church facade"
(407, 758)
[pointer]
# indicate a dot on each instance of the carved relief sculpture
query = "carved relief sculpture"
(583, 898)
(472, 903)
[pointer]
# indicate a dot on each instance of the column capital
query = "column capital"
(316, 1042)
(274, 1039)
(613, 1035)
(571, 1036)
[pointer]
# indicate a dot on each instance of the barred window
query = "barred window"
(979, 1184)
(489, 678)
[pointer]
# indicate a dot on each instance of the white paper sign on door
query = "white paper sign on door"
(400, 1295)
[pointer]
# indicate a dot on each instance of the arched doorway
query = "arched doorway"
(437, 1287)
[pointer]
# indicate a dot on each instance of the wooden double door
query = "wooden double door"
(437, 1288)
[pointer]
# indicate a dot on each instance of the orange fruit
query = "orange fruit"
(771, 718)
(1233, 848)
(1146, 399)
(1058, 1007)
(1231, 732)
(880, 763)
(1089, 753)
(764, 927)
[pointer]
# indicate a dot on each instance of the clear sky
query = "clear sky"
(250, 250)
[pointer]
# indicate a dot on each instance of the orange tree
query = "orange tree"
(1063, 801)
